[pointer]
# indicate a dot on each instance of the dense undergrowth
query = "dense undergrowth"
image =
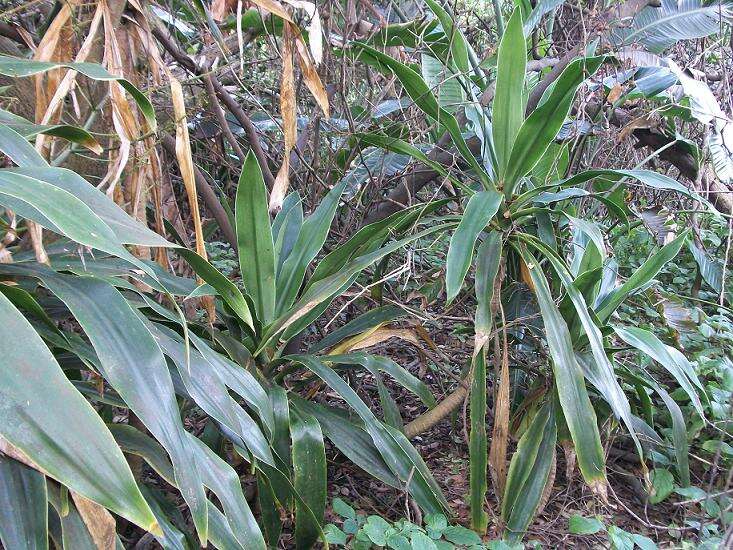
(417, 275)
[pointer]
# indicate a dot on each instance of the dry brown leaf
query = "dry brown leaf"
(500, 430)
(375, 336)
(185, 162)
(524, 272)
(98, 520)
(315, 30)
(289, 112)
(310, 75)
(615, 94)
(68, 81)
(275, 8)
(220, 9)
(639, 122)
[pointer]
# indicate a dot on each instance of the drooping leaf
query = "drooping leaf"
(575, 403)
(45, 417)
(528, 474)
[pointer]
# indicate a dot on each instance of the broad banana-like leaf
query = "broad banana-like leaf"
(23, 506)
(658, 28)
(400, 146)
(254, 239)
(507, 110)
(481, 209)
(372, 164)
(309, 477)
(47, 420)
(543, 124)
(710, 269)
(575, 403)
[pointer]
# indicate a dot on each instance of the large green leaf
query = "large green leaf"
(574, 401)
(327, 287)
(481, 209)
(394, 447)
(23, 506)
(541, 127)
(600, 371)
(508, 107)
(350, 439)
(47, 419)
(488, 259)
(487, 267)
(206, 387)
(528, 473)
(478, 444)
(286, 227)
(138, 372)
(127, 229)
(309, 475)
(254, 239)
